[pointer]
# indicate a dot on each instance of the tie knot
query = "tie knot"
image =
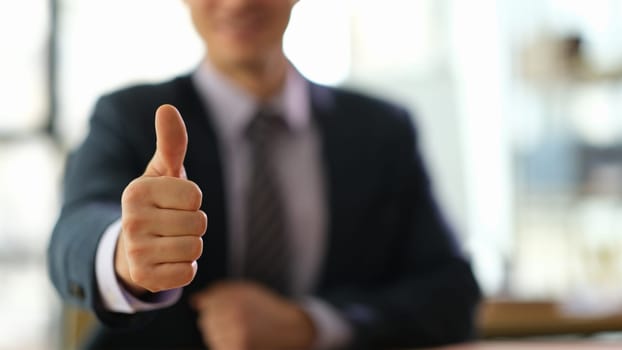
(265, 125)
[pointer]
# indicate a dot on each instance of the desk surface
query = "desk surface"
(528, 345)
(507, 318)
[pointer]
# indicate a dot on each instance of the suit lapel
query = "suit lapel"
(337, 141)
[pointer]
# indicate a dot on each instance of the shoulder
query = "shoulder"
(147, 97)
(363, 111)
(126, 116)
(130, 110)
(356, 98)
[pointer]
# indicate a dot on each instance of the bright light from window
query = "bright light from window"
(23, 31)
(318, 40)
(109, 44)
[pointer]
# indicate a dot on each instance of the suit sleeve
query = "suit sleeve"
(432, 300)
(96, 175)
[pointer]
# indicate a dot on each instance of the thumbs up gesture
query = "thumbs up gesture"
(161, 222)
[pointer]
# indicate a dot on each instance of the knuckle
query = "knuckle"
(200, 223)
(185, 274)
(163, 182)
(135, 192)
(136, 252)
(131, 224)
(196, 248)
(158, 286)
(154, 289)
(194, 195)
(140, 276)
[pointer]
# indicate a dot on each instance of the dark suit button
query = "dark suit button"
(76, 290)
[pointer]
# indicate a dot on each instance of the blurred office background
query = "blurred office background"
(518, 102)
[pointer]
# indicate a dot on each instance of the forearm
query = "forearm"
(71, 256)
(71, 252)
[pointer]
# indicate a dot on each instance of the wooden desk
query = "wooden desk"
(498, 319)
(507, 318)
(529, 345)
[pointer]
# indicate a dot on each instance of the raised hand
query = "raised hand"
(162, 223)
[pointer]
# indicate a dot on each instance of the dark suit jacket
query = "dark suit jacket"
(391, 266)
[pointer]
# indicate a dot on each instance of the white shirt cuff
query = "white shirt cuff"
(332, 330)
(114, 297)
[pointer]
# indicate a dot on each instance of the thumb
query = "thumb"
(171, 144)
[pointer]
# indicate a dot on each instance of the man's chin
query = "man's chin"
(243, 58)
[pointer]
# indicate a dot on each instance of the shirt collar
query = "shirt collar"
(232, 108)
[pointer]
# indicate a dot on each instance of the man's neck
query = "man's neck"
(262, 78)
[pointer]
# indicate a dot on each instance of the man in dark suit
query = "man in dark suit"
(323, 231)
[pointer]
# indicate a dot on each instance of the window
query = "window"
(24, 65)
(29, 175)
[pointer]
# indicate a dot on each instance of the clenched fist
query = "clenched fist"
(247, 316)
(161, 220)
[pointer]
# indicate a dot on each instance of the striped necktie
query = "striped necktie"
(267, 257)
